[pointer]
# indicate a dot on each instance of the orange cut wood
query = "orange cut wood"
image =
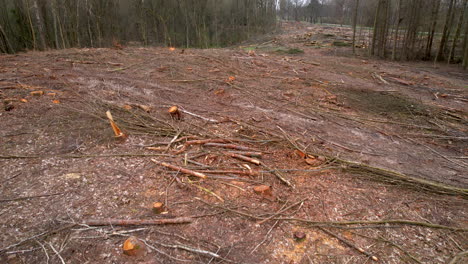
(158, 207)
(313, 161)
(173, 109)
(37, 93)
(133, 247)
(175, 113)
(263, 190)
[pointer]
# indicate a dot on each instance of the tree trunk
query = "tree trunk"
(440, 53)
(356, 8)
(457, 32)
(395, 38)
(430, 37)
(8, 47)
(376, 20)
(40, 25)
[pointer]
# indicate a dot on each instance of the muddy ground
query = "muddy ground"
(358, 153)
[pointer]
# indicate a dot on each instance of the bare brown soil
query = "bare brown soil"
(61, 166)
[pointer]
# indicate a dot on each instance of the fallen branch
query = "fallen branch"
(278, 175)
(349, 244)
(249, 173)
(130, 222)
(244, 158)
(194, 250)
(375, 75)
(249, 153)
(83, 156)
(383, 223)
(199, 142)
(228, 146)
(377, 222)
(388, 175)
(199, 116)
(282, 211)
(183, 170)
(28, 197)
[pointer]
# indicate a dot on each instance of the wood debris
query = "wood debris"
(117, 132)
(133, 247)
(183, 170)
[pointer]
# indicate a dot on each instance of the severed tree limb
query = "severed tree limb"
(374, 224)
(199, 142)
(377, 222)
(244, 158)
(249, 173)
(183, 170)
(249, 153)
(349, 244)
(278, 175)
(228, 146)
(84, 156)
(199, 116)
(130, 222)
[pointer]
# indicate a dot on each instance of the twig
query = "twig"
(377, 222)
(349, 244)
(176, 168)
(29, 197)
(266, 237)
(338, 224)
(45, 251)
(199, 142)
(401, 249)
(22, 251)
(244, 158)
(458, 257)
(375, 75)
(199, 116)
(461, 164)
(282, 211)
(194, 250)
(172, 141)
(130, 222)
(278, 175)
(249, 153)
(12, 177)
(37, 236)
(249, 173)
(57, 253)
(228, 146)
(163, 253)
(83, 156)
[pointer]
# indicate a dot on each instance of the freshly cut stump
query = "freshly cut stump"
(134, 247)
(158, 207)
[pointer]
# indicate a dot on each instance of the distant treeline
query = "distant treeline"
(398, 29)
(44, 24)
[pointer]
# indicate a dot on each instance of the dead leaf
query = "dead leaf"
(23, 100)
